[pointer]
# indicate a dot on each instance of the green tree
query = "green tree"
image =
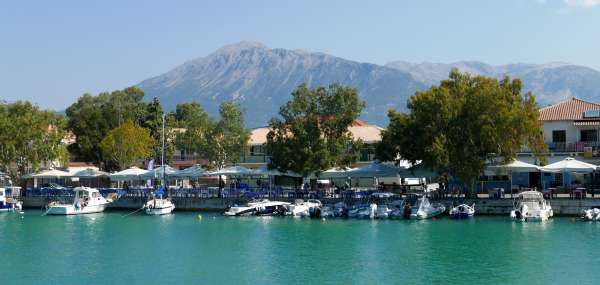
(227, 138)
(127, 144)
(312, 134)
(92, 117)
(456, 126)
(30, 138)
(195, 121)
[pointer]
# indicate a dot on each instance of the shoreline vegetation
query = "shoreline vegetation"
(452, 129)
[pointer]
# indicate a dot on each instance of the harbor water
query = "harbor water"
(184, 248)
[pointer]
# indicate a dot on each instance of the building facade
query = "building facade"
(255, 155)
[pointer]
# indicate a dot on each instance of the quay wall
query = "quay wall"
(483, 206)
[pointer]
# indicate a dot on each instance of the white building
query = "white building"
(571, 127)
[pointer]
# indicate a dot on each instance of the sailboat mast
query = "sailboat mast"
(162, 157)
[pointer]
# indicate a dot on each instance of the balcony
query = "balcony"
(570, 147)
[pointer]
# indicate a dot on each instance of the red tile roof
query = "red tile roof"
(568, 110)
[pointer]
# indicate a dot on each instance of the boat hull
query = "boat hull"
(72, 210)
(160, 211)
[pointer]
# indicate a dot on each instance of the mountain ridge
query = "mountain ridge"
(261, 79)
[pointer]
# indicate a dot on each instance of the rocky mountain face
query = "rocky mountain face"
(261, 80)
(550, 82)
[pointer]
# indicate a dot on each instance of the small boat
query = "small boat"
(426, 210)
(340, 209)
(8, 203)
(530, 206)
(159, 205)
(592, 214)
(383, 212)
(363, 211)
(400, 210)
(462, 211)
(302, 208)
(87, 200)
(262, 207)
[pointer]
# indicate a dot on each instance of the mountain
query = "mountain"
(550, 82)
(261, 80)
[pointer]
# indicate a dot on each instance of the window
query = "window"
(589, 135)
(559, 136)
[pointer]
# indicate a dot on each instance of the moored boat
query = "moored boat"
(86, 201)
(531, 206)
(592, 214)
(426, 210)
(462, 211)
(159, 205)
(262, 207)
(8, 203)
(364, 211)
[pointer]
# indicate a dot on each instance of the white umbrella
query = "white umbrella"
(375, 169)
(157, 173)
(264, 170)
(335, 173)
(569, 164)
(515, 166)
(132, 173)
(232, 171)
(51, 173)
(89, 173)
(194, 171)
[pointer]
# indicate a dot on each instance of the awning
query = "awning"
(132, 173)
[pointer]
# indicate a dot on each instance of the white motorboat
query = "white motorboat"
(462, 211)
(425, 210)
(259, 208)
(87, 200)
(363, 211)
(327, 211)
(159, 206)
(531, 206)
(302, 208)
(400, 210)
(8, 203)
(592, 214)
(383, 212)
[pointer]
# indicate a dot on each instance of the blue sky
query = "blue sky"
(51, 52)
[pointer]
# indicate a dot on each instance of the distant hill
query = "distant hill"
(261, 80)
(550, 82)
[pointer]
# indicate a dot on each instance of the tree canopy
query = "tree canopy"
(458, 125)
(30, 137)
(312, 134)
(218, 141)
(92, 117)
(126, 144)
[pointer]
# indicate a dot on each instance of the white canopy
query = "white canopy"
(89, 173)
(232, 171)
(50, 173)
(515, 166)
(336, 173)
(264, 170)
(569, 164)
(375, 169)
(157, 173)
(133, 173)
(194, 171)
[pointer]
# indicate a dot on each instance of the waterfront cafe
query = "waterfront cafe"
(561, 176)
(569, 175)
(71, 177)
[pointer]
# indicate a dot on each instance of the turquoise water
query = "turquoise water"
(182, 249)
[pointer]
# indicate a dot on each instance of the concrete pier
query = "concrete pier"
(483, 206)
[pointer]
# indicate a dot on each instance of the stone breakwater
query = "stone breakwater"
(483, 206)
